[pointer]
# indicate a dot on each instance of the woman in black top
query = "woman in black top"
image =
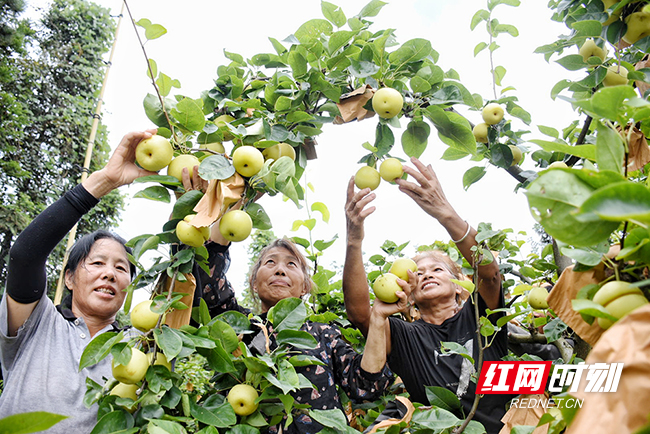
(414, 349)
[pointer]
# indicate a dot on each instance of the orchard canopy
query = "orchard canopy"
(588, 192)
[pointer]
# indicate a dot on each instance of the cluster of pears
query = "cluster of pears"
(130, 375)
(156, 153)
(386, 287)
(492, 114)
(369, 177)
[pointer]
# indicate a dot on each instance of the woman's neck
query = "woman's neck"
(439, 312)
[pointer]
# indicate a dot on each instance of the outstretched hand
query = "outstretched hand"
(427, 192)
(356, 211)
(121, 168)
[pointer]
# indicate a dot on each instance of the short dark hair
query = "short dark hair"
(81, 249)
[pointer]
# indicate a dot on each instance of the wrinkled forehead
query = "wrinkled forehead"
(431, 262)
(279, 253)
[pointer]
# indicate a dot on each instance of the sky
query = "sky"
(200, 30)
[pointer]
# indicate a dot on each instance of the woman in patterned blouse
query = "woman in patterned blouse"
(280, 272)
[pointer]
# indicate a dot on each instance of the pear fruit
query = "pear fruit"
(236, 225)
(387, 102)
(401, 266)
(142, 317)
(154, 153)
(537, 297)
(492, 113)
(134, 371)
(247, 160)
(367, 177)
(242, 398)
(386, 287)
(391, 169)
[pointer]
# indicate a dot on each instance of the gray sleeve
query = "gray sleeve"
(10, 345)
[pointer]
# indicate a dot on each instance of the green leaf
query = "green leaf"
(587, 28)
(506, 28)
(552, 132)
(554, 198)
(297, 338)
(185, 204)
(582, 151)
(154, 31)
(156, 426)
(223, 417)
(114, 422)
(371, 9)
(154, 111)
(554, 329)
(338, 40)
(216, 167)
(590, 308)
(25, 423)
(384, 139)
(618, 202)
(189, 114)
(435, 419)
(442, 398)
(298, 64)
(499, 73)
(411, 51)
(169, 341)
(322, 209)
(456, 348)
(288, 314)
(453, 129)
(261, 219)
(479, 16)
(608, 102)
(415, 137)
(312, 30)
(333, 13)
(572, 62)
(610, 149)
(156, 192)
(225, 334)
(419, 84)
(333, 418)
(473, 175)
(583, 256)
(479, 47)
(99, 348)
(322, 245)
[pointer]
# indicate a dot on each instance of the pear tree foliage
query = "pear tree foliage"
(322, 74)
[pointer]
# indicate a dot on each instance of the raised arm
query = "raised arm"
(355, 283)
(26, 276)
(428, 194)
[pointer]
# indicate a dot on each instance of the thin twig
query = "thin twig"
(151, 75)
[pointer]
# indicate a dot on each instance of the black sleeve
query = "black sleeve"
(26, 274)
(215, 288)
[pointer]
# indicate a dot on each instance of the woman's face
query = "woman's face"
(434, 282)
(279, 276)
(99, 281)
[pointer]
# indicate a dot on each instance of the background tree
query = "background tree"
(48, 94)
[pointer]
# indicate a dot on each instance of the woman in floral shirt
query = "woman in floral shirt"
(282, 272)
